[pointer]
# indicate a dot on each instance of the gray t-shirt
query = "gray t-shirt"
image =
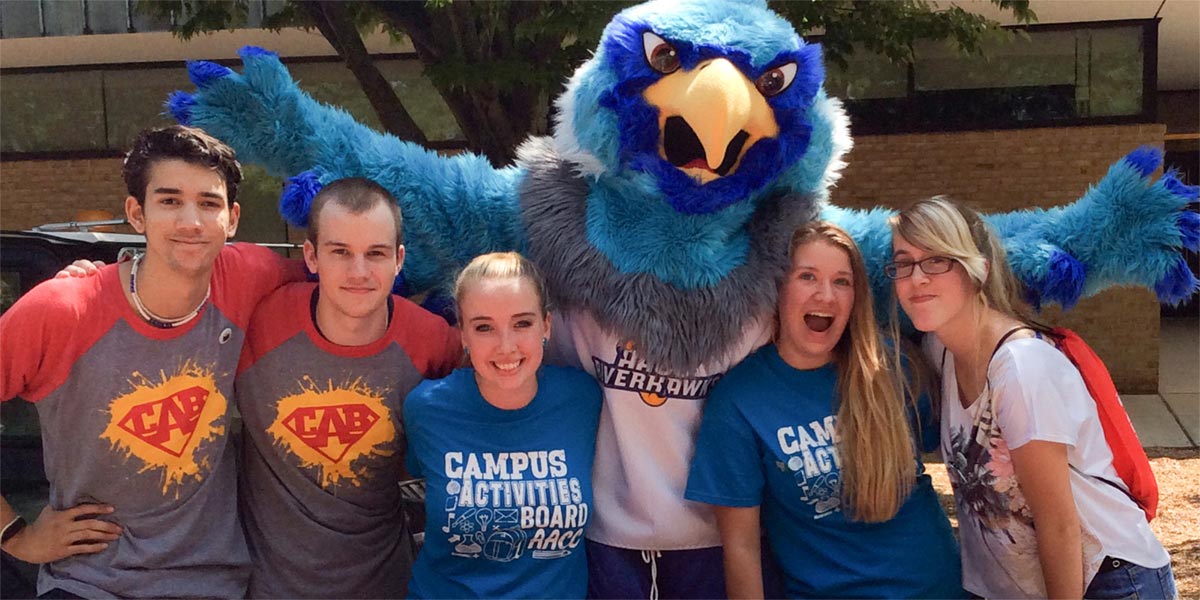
(138, 417)
(324, 448)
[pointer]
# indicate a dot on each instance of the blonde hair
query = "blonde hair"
(874, 436)
(943, 226)
(500, 265)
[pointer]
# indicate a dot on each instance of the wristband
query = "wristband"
(12, 529)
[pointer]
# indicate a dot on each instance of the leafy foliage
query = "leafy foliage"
(499, 63)
(892, 28)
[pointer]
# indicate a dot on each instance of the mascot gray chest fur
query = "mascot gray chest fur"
(675, 330)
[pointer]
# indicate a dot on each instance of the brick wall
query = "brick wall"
(35, 192)
(992, 170)
(1003, 170)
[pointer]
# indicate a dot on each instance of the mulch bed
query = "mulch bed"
(1177, 524)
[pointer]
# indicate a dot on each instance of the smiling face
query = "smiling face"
(932, 301)
(356, 259)
(815, 302)
(504, 329)
(186, 216)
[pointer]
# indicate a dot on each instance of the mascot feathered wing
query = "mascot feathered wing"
(684, 154)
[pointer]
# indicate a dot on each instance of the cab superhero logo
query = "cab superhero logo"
(331, 430)
(629, 373)
(329, 427)
(166, 422)
(169, 423)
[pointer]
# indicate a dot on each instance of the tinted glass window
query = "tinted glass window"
(20, 19)
(134, 101)
(1042, 77)
(52, 111)
(103, 109)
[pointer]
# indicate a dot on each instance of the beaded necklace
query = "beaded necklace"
(152, 318)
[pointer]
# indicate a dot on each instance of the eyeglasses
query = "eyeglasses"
(930, 265)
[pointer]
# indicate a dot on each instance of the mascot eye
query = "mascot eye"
(773, 82)
(659, 54)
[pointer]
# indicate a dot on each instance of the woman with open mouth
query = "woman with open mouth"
(812, 439)
(506, 448)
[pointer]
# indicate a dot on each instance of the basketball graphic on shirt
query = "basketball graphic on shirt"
(329, 427)
(629, 372)
(163, 421)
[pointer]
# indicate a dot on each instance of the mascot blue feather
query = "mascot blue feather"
(684, 154)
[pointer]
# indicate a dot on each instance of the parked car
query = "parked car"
(28, 258)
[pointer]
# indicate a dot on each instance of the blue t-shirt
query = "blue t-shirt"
(768, 438)
(508, 492)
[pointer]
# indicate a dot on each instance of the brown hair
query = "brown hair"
(179, 142)
(874, 436)
(357, 195)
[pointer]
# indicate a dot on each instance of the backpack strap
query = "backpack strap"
(1114, 484)
(1004, 338)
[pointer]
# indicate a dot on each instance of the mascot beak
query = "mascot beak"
(708, 117)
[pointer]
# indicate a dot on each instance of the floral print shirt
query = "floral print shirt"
(1033, 393)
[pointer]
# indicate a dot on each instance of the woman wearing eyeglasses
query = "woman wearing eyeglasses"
(1041, 510)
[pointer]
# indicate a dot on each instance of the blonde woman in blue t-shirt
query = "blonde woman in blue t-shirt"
(811, 439)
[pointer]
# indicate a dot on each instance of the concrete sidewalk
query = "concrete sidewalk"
(1171, 418)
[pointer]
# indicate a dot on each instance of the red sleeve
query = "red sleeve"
(279, 317)
(245, 274)
(47, 330)
(451, 353)
(433, 345)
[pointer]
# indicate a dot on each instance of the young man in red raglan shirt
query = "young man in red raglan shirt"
(132, 373)
(323, 376)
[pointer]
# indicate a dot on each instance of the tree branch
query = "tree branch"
(337, 26)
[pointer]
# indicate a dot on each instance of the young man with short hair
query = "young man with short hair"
(132, 372)
(320, 387)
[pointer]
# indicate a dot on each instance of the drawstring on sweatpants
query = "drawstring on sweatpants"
(648, 557)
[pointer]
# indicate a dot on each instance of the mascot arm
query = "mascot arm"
(454, 208)
(1126, 230)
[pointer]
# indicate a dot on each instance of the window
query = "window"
(101, 108)
(1041, 76)
(40, 18)
(53, 112)
(96, 111)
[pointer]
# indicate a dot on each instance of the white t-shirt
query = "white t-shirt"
(1036, 394)
(647, 436)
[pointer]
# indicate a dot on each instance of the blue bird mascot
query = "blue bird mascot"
(684, 154)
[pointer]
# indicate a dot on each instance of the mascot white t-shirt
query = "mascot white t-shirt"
(646, 439)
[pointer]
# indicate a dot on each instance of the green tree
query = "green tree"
(499, 63)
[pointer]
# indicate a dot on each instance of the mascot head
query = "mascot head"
(713, 100)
